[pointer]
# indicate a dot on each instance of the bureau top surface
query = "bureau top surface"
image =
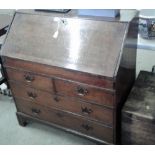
(84, 45)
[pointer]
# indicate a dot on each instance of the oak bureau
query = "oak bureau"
(70, 73)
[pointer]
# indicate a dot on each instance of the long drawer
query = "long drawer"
(30, 79)
(89, 110)
(86, 92)
(67, 120)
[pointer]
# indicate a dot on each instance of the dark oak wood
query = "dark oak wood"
(126, 75)
(73, 73)
(64, 103)
(64, 40)
(72, 105)
(29, 118)
(42, 69)
(68, 120)
(138, 119)
(30, 79)
(65, 87)
(86, 92)
(21, 121)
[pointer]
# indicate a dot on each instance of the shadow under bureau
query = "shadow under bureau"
(71, 73)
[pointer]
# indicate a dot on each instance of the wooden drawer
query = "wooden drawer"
(91, 111)
(30, 79)
(86, 92)
(67, 120)
(40, 68)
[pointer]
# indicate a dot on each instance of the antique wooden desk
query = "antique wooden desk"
(71, 73)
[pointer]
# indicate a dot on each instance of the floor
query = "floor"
(34, 133)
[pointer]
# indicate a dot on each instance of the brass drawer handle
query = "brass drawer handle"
(35, 111)
(86, 110)
(32, 95)
(56, 99)
(87, 127)
(82, 91)
(29, 78)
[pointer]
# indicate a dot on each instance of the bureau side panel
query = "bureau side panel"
(126, 73)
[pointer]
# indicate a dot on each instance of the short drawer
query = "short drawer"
(30, 79)
(22, 91)
(68, 120)
(73, 105)
(86, 92)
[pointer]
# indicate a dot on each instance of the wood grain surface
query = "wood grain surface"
(78, 44)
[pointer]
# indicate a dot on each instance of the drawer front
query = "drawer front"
(30, 79)
(59, 72)
(67, 120)
(22, 91)
(91, 111)
(92, 94)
